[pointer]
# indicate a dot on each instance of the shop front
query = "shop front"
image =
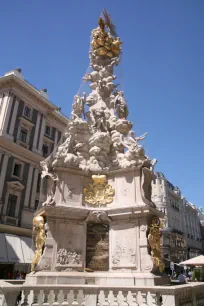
(15, 255)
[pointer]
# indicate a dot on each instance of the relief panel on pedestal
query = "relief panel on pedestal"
(123, 246)
(69, 189)
(125, 189)
(70, 247)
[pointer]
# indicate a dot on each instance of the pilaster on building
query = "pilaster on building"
(30, 127)
(181, 235)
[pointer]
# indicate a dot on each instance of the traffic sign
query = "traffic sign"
(172, 265)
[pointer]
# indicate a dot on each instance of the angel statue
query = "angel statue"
(78, 107)
(120, 105)
(99, 120)
(131, 141)
(131, 135)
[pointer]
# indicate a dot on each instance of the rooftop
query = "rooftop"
(42, 94)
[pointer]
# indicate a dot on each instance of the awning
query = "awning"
(196, 261)
(15, 249)
(28, 253)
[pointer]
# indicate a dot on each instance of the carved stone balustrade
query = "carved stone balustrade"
(93, 295)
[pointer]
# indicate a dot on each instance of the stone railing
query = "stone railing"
(92, 295)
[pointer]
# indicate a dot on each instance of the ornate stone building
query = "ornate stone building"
(30, 127)
(181, 235)
(192, 229)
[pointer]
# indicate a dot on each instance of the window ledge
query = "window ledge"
(26, 117)
(11, 220)
(22, 144)
(29, 209)
(26, 121)
(48, 139)
(16, 177)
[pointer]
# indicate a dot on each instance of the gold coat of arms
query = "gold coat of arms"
(99, 192)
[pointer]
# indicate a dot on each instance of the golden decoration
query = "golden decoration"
(99, 192)
(39, 228)
(103, 42)
(154, 242)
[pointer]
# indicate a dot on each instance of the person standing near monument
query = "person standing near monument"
(182, 278)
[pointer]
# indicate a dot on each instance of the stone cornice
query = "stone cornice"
(119, 172)
(26, 122)
(47, 139)
(54, 119)
(116, 213)
(15, 185)
(13, 149)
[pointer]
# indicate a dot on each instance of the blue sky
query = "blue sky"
(162, 69)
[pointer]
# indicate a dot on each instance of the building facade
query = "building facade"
(168, 199)
(201, 218)
(192, 229)
(30, 128)
(181, 234)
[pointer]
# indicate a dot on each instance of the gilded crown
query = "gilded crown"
(99, 179)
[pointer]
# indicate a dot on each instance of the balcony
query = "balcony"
(94, 295)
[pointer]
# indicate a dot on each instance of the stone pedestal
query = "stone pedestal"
(109, 239)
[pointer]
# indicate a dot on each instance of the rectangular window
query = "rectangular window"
(12, 201)
(45, 150)
(17, 169)
(36, 204)
(23, 135)
(45, 185)
(39, 182)
(27, 112)
(48, 130)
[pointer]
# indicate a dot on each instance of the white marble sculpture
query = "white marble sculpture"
(98, 209)
(102, 138)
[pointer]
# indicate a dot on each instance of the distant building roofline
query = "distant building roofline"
(160, 175)
(40, 94)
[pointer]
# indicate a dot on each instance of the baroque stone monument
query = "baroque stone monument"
(98, 224)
